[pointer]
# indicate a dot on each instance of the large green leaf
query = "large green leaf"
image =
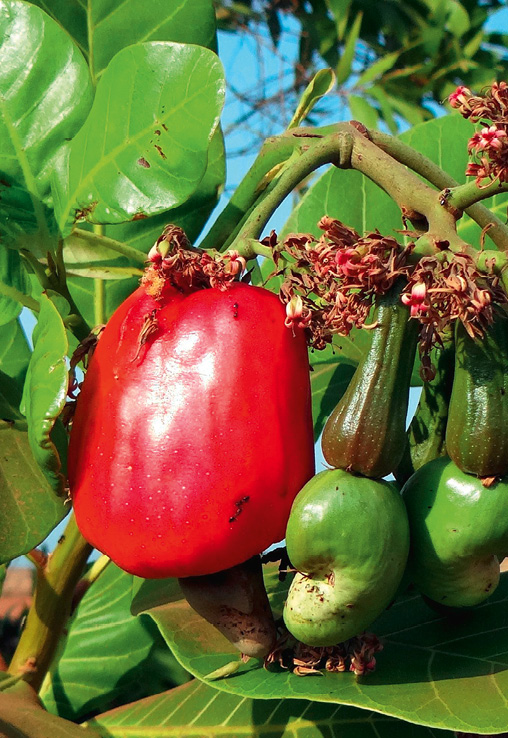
(191, 216)
(45, 393)
(45, 95)
(142, 234)
(431, 670)
(14, 358)
(143, 148)
(196, 709)
(102, 27)
(12, 274)
(348, 196)
(109, 657)
(23, 718)
(30, 508)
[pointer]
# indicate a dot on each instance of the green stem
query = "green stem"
(275, 151)
(14, 294)
(51, 606)
(99, 240)
(347, 148)
(334, 148)
(58, 283)
(466, 194)
(498, 232)
(99, 289)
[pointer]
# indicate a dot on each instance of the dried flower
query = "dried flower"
(330, 282)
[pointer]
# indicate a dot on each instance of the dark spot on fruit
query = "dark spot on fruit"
(140, 216)
(164, 126)
(349, 605)
(143, 163)
(157, 132)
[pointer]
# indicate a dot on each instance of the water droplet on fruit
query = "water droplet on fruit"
(147, 518)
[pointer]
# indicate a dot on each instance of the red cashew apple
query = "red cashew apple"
(193, 432)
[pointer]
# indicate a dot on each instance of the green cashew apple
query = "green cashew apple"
(459, 533)
(348, 537)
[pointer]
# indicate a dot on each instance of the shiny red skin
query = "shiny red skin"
(186, 454)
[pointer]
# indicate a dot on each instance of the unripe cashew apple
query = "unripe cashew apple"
(193, 431)
(348, 536)
(459, 531)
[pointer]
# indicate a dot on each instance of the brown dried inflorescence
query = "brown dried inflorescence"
(489, 146)
(445, 288)
(356, 654)
(172, 261)
(330, 283)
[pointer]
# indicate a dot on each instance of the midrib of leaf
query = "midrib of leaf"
(30, 181)
(166, 19)
(118, 150)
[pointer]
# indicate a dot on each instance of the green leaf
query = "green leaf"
(340, 11)
(45, 95)
(29, 505)
(45, 394)
(411, 112)
(380, 66)
(109, 657)
(458, 22)
(102, 29)
(191, 216)
(430, 672)
(362, 110)
(22, 718)
(319, 86)
(332, 370)
(83, 293)
(346, 60)
(348, 196)
(385, 108)
(142, 234)
(444, 140)
(14, 358)
(13, 274)
(143, 148)
(197, 709)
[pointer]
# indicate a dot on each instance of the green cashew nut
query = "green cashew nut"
(459, 531)
(348, 536)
